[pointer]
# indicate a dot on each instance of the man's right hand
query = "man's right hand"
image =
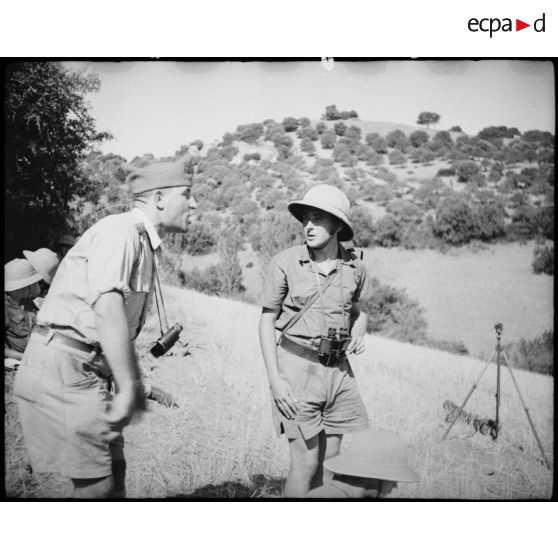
(284, 399)
(127, 402)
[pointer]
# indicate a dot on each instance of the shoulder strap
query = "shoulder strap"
(309, 303)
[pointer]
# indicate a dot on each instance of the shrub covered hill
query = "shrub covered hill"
(414, 187)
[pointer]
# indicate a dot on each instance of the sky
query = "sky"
(155, 107)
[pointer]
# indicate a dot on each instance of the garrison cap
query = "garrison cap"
(66, 240)
(159, 176)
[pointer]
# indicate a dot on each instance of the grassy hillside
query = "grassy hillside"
(220, 441)
(464, 292)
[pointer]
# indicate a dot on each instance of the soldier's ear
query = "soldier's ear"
(159, 199)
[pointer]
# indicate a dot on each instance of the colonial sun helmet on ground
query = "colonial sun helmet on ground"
(374, 454)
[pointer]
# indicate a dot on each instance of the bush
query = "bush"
(455, 221)
(419, 138)
(490, 220)
(339, 128)
(467, 170)
(448, 171)
(307, 145)
(207, 281)
(361, 219)
(543, 259)
(387, 231)
(391, 312)
(290, 124)
(251, 157)
(536, 355)
(455, 347)
(396, 157)
(249, 133)
(327, 140)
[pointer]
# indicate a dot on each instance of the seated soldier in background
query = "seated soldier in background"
(370, 467)
(21, 285)
(45, 262)
(63, 245)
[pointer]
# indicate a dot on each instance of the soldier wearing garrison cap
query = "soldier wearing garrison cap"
(311, 320)
(83, 341)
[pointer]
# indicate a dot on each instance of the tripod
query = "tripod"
(500, 354)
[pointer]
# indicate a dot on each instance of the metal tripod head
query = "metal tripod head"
(499, 327)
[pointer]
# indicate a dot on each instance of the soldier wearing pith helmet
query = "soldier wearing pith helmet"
(311, 321)
(95, 308)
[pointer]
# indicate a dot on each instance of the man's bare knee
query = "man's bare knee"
(93, 489)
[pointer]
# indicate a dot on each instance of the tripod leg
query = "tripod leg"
(525, 409)
(475, 384)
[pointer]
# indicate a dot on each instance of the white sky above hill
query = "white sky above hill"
(155, 107)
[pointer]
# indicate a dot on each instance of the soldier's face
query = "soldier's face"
(178, 204)
(319, 227)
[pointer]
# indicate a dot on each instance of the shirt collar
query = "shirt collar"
(140, 217)
(304, 255)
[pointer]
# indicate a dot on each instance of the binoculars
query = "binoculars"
(166, 341)
(335, 343)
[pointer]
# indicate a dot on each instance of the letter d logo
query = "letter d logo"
(536, 24)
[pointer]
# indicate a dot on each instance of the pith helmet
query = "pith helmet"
(44, 261)
(374, 454)
(19, 273)
(327, 198)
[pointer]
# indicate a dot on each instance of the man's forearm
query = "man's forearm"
(267, 344)
(114, 337)
(359, 324)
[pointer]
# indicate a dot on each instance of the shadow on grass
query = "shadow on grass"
(260, 486)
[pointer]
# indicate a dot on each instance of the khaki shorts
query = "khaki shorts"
(62, 402)
(328, 398)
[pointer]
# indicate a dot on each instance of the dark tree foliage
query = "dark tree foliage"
(290, 124)
(428, 118)
(545, 139)
(497, 132)
(331, 113)
(543, 259)
(455, 129)
(48, 133)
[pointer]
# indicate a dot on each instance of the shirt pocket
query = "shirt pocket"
(300, 293)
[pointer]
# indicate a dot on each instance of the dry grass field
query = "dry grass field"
(220, 442)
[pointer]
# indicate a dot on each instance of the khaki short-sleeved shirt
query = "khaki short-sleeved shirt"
(291, 281)
(110, 256)
(18, 324)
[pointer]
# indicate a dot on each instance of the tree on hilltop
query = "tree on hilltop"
(428, 118)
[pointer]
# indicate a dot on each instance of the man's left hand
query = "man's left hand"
(356, 345)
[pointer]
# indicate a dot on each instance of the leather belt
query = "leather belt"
(310, 354)
(66, 340)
